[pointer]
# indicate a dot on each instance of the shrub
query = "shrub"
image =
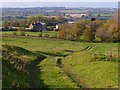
(5, 34)
(101, 33)
(46, 35)
(28, 35)
(21, 29)
(51, 28)
(40, 34)
(88, 35)
(70, 32)
(22, 33)
(54, 36)
(14, 33)
(62, 34)
(104, 57)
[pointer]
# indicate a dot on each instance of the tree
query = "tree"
(60, 19)
(76, 32)
(23, 23)
(88, 35)
(66, 26)
(94, 25)
(101, 33)
(6, 24)
(48, 21)
(62, 34)
(70, 32)
(21, 29)
(82, 24)
(14, 24)
(108, 31)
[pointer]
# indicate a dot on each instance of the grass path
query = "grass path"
(54, 76)
(34, 75)
(79, 66)
(50, 63)
(70, 73)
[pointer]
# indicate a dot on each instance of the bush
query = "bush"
(28, 35)
(62, 34)
(54, 36)
(104, 57)
(101, 33)
(70, 32)
(21, 29)
(40, 34)
(46, 35)
(5, 34)
(14, 33)
(51, 28)
(22, 33)
(88, 35)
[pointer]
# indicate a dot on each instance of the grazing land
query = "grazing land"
(31, 33)
(84, 64)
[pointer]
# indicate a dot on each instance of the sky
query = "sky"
(60, 3)
(60, 0)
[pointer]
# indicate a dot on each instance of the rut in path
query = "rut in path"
(70, 74)
(35, 74)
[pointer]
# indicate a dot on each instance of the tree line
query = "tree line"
(33, 19)
(90, 31)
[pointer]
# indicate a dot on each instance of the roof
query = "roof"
(59, 24)
(37, 24)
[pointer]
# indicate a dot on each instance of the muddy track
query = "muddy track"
(34, 74)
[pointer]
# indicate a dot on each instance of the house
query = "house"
(57, 25)
(70, 22)
(60, 24)
(37, 27)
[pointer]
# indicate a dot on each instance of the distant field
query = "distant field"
(31, 33)
(79, 67)
(102, 14)
(73, 11)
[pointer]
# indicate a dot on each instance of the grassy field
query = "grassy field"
(80, 68)
(31, 33)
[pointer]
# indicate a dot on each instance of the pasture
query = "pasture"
(80, 67)
(30, 33)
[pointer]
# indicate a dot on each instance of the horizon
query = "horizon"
(60, 4)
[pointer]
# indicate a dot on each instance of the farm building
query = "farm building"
(38, 27)
(58, 25)
(69, 22)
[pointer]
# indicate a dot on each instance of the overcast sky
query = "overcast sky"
(60, 3)
(60, 0)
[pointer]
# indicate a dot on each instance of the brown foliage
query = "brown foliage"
(88, 35)
(69, 32)
(6, 24)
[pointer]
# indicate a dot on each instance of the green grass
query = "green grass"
(13, 76)
(97, 74)
(44, 45)
(51, 33)
(81, 63)
(53, 76)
